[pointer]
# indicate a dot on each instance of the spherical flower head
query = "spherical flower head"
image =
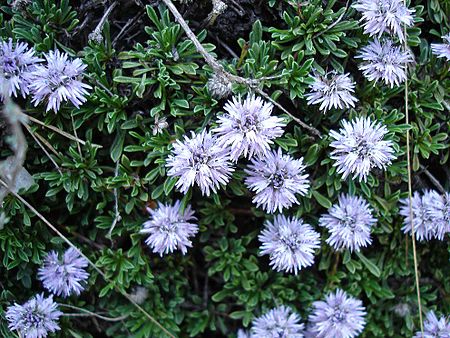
(36, 318)
(201, 160)
(385, 62)
(434, 327)
(290, 243)
(58, 81)
(66, 276)
(248, 127)
(219, 86)
(276, 179)
(17, 63)
(349, 223)
(430, 214)
(170, 228)
(381, 16)
(332, 90)
(339, 316)
(439, 210)
(442, 50)
(279, 322)
(359, 147)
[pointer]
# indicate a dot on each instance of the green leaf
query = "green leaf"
(321, 199)
(372, 267)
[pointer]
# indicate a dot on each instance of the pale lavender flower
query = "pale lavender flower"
(434, 327)
(420, 215)
(384, 16)
(201, 160)
(59, 80)
(439, 210)
(17, 63)
(219, 86)
(359, 147)
(243, 334)
(276, 179)
(384, 61)
(289, 242)
(66, 276)
(332, 90)
(349, 223)
(280, 322)
(169, 228)
(248, 127)
(430, 215)
(339, 316)
(442, 50)
(36, 318)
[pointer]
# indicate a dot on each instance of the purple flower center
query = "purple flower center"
(339, 315)
(277, 179)
(249, 122)
(362, 148)
(34, 318)
(10, 66)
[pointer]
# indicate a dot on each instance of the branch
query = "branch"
(218, 68)
(433, 179)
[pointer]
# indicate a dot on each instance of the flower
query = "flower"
(34, 319)
(243, 334)
(219, 86)
(200, 160)
(384, 16)
(276, 179)
(349, 223)
(139, 294)
(434, 328)
(339, 316)
(289, 242)
(439, 210)
(430, 213)
(442, 50)
(159, 125)
(332, 90)
(359, 146)
(58, 81)
(17, 63)
(279, 322)
(384, 61)
(169, 228)
(248, 127)
(64, 277)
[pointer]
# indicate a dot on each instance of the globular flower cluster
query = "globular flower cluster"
(381, 16)
(349, 222)
(332, 90)
(434, 327)
(359, 147)
(276, 179)
(17, 64)
(56, 81)
(384, 61)
(200, 160)
(248, 127)
(430, 215)
(59, 81)
(290, 243)
(170, 228)
(36, 318)
(442, 50)
(278, 322)
(338, 316)
(66, 276)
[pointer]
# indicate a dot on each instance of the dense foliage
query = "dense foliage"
(149, 90)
